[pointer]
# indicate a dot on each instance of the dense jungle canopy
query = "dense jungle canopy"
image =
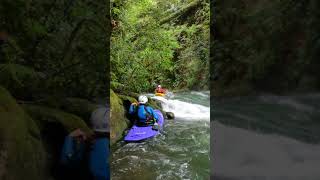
(159, 42)
(265, 46)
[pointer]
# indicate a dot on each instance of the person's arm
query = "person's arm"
(69, 153)
(67, 150)
(155, 115)
(132, 108)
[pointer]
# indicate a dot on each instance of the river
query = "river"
(266, 137)
(182, 151)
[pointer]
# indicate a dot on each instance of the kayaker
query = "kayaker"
(144, 114)
(78, 146)
(159, 89)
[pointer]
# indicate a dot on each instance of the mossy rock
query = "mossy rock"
(118, 120)
(22, 155)
(120, 103)
(127, 98)
(45, 115)
(154, 104)
(126, 102)
(128, 94)
(78, 106)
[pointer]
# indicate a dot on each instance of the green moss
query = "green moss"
(118, 121)
(78, 106)
(119, 104)
(21, 148)
(127, 98)
(154, 104)
(45, 115)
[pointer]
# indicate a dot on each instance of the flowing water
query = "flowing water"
(266, 137)
(180, 152)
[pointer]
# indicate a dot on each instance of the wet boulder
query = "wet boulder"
(21, 148)
(45, 115)
(118, 120)
(169, 115)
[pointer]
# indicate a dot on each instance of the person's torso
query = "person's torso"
(160, 90)
(99, 159)
(143, 113)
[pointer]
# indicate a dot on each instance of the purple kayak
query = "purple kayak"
(137, 133)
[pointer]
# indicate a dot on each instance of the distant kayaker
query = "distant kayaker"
(159, 89)
(78, 146)
(144, 114)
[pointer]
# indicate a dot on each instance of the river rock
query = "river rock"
(169, 115)
(118, 120)
(81, 107)
(21, 149)
(44, 116)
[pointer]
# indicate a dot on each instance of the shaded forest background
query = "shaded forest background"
(159, 42)
(54, 71)
(264, 46)
(54, 47)
(155, 42)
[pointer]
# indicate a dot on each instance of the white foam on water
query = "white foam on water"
(239, 152)
(203, 94)
(184, 110)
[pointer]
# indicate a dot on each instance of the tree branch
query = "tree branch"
(182, 11)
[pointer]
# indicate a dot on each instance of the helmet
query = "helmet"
(100, 120)
(159, 86)
(143, 99)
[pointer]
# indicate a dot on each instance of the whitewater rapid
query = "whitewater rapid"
(182, 149)
(185, 110)
(240, 154)
(266, 137)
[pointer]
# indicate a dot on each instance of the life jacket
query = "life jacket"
(78, 156)
(160, 90)
(149, 119)
(99, 159)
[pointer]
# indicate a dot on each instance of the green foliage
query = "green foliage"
(265, 44)
(49, 50)
(145, 52)
(64, 40)
(21, 80)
